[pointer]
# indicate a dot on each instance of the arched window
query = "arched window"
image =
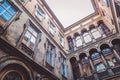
(100, 67)
(103, 27)
(78, 40)
(86, 36)
(12, 76)
(85, 59)
(70, 43)
(106, 50)
(96, 34)
(95, 55)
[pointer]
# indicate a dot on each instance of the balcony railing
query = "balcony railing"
(116, 70)
(90, 77)
(26, 49)
(102, 75)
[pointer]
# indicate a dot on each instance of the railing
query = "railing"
(116, 70)
(27, 50)
(90, 77)
(49, 67)
(102, 75)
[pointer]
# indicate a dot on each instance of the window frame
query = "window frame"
(100, 68)
(20, 43)
(63, 67)
(51, 28)
(14, 17)
(50, 56)
(86, 34)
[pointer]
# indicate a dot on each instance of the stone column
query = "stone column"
(83, 40)
(81, 69)
(116, 54)
(106, 64)
(93, 69)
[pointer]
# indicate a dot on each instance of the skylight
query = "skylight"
(70, 11)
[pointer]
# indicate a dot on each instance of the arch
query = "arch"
(83, 31)
(105, 49)
(76, 34)
(116, 44)
(115, 41)
(94, 54)
(75, 68)
(93, 50)
(69, 37)
(13, 63)
(72, 60)
(103, 46)
(82, 55)
(91, 27)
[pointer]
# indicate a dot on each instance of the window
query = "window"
(6, 12)
(70, 44)
(100, 67)
(30, 37)
(104, 28)
(85, 60)
(117, 6)
(52, 28)
(12, 76)
(106, 2)
(24, 1)
(61, 40)
(50, 54)
(63, 66)
(78, 41)
(39, 14)
(111, 63)
(96, 34)
(87, 37)
(106, 50)
(95, 55)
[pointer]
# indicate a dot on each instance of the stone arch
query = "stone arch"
(83, 31)
(91, 27)
(76, 34)
(15, 64)
(116, 44)
(75, 68)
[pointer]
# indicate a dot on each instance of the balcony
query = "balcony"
(27, 50)
(103, 74)
(90, 77)
(116, 70)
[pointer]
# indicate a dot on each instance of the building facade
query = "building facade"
(35, 46)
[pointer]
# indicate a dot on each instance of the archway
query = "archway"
(14, 69)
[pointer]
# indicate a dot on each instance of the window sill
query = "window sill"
(48, 66)
(26, 49)
(64, 77)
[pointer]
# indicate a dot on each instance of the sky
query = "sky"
(70, 11)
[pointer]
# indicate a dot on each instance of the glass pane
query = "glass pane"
(27, 36)
(11, 11)
(87, 39)
(1, 10)
(6, 16)
(96, 34)
(5, 4)
(30, 29)
(33, 39)
(35, 33)
(12, 76)
(78, 42)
